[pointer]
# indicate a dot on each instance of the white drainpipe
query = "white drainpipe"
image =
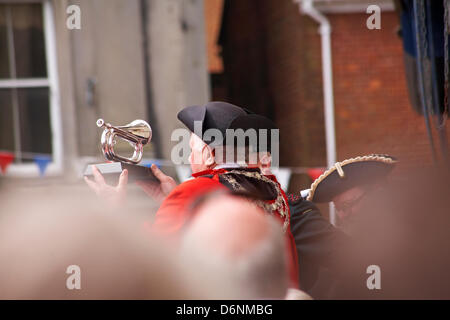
(307, 7)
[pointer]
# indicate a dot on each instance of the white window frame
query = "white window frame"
(55, 167)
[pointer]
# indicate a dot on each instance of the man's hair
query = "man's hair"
(237, 154)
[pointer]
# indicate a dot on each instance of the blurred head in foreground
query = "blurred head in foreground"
(40, 239)
(407, 237)
(238, 247)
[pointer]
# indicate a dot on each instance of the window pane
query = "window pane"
(4, 62)
(6, 121)
(35, 131)
(29, 44)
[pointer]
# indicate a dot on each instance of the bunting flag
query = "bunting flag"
(314, 173)
(5, 160)
(42, 162)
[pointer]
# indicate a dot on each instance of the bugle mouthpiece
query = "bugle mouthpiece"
(100, 123)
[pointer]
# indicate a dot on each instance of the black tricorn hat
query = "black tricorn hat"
(348, 174)
(223, 116)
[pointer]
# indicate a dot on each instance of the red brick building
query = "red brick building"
(272, 65)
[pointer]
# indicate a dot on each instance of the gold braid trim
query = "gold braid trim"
(371, 157)
(279, 204)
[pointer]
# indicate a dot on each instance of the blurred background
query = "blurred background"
(147, 59)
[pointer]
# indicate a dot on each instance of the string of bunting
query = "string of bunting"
(43, 160)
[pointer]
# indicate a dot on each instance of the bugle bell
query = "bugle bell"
(138, 133)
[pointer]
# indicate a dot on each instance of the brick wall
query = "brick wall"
(373, 113)
(213, 16)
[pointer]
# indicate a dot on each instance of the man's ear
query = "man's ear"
(208, 156)
(265, 159)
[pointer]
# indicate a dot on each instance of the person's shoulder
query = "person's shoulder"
(300, 206)
(196, 185)
(187, 191)
(306, 216)
(202, 180)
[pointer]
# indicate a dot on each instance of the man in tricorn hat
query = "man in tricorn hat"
(348, 182)
(213, 168)
(319, 244)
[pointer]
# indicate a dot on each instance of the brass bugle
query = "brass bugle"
(138, 133)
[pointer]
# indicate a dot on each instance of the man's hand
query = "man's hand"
(113, 195)
(158, 191)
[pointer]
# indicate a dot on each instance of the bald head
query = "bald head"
(232, 225)
(234, 238)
